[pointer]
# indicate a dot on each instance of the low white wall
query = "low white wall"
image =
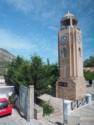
(2, 80)
(93, 81)
(6, 91)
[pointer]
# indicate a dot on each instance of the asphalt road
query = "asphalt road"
(16, 119)
(8, 120)
(11, 119)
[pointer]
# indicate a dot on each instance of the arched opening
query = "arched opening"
(64, 52)
(80, 52)
(74, 22)
(66, 22)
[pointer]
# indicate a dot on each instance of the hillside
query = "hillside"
(5, 58)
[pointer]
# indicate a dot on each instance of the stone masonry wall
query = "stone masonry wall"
(75, 89)
(80, 88)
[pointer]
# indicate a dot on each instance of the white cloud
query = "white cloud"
(53, 28)
(27, 6)
(38, 9)
(48, 14)
(23, 5)
(9, 40)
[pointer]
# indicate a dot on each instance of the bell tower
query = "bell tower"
(70, 59)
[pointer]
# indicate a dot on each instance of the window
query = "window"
(64, 52)
(74, 22)
(79, 51)
(66, 22)
(3, 105)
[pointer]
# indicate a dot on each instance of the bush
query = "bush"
(12, 100)
(47, 109)
(88, 75)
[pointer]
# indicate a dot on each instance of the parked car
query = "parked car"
(5, 107)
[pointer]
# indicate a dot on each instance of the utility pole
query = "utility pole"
(63, 105)
(63, 84)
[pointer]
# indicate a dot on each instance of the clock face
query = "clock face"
(79, 38)
(64, 38)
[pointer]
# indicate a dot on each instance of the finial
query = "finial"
(68, 11)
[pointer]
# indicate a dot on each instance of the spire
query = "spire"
(68, 14)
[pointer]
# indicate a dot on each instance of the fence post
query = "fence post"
(30, 103)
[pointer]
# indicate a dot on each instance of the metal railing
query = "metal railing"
(78, 103)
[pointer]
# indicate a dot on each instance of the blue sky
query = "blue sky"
(31, 26)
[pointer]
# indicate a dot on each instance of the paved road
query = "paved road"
(8, 121)
(16, 119)
(13, 119)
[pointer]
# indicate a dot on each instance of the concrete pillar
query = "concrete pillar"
(89, 98)
(67, 108)
(93, 82)
(30, 104)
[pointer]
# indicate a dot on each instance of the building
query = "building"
(70, 59)
(91, 69)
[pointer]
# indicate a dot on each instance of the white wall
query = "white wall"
(2, 80)
(92, 81)
(6, 91)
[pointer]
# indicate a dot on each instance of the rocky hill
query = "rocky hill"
(5, 58)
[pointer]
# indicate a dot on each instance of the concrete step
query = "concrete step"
(86, 123)
(86, 120)
(56, 114)
(86, 111)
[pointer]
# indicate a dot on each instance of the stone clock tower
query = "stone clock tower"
(70, 59)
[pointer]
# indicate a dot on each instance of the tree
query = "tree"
(37, 73)
(42, 75)
(23, 72)
(88, 75)
(18, 73)
(52, 73)
(89, 62)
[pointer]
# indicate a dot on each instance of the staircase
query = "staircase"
(85, 115)
(89, 120)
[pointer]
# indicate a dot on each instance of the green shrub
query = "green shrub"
(12, 100)
(47, 109)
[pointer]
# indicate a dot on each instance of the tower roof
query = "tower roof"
(68, 14)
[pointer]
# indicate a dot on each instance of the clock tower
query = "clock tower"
(70, 59)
